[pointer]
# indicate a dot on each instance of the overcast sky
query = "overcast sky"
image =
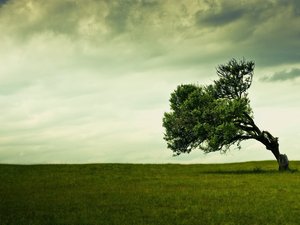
(84, 81)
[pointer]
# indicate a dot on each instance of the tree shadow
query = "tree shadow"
(256, 170)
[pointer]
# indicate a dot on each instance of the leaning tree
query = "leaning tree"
(214, 117)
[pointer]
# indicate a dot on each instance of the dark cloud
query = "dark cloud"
(149, 3)
(3, 2)
(65, 12)
(220, 13)
(218, 17)
(132, 16)
(294, 4)
(26, 19)
(283, 75)
(118, 15)
(244, 28)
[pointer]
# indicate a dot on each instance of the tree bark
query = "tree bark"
(265, 138)
(272, 144)
(283, 162)
(282, 159)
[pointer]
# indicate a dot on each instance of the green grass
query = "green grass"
(121, 194)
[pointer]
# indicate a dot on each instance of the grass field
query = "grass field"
(126, 194)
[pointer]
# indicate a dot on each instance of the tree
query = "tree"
(217, 116)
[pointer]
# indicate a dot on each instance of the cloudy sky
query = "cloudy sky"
(84, 81)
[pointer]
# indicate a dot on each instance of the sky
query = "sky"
(88, 81)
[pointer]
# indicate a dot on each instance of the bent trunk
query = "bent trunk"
(265, 138)
(282, 159)
(272, 144)
(283, 162)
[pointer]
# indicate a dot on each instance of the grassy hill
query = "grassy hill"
(121, 194)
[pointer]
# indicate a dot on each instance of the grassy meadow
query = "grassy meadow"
(135, 194)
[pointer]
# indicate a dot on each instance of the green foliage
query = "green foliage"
(114, 194)
(235, 78)
(212, 117)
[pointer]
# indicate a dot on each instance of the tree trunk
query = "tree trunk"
(282, 159)
(283, 162)
(272, 144)
(265, 138)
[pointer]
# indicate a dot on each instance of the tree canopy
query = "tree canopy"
(216, 116)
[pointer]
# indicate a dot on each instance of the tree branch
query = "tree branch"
(246, 128)
(251, 121)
